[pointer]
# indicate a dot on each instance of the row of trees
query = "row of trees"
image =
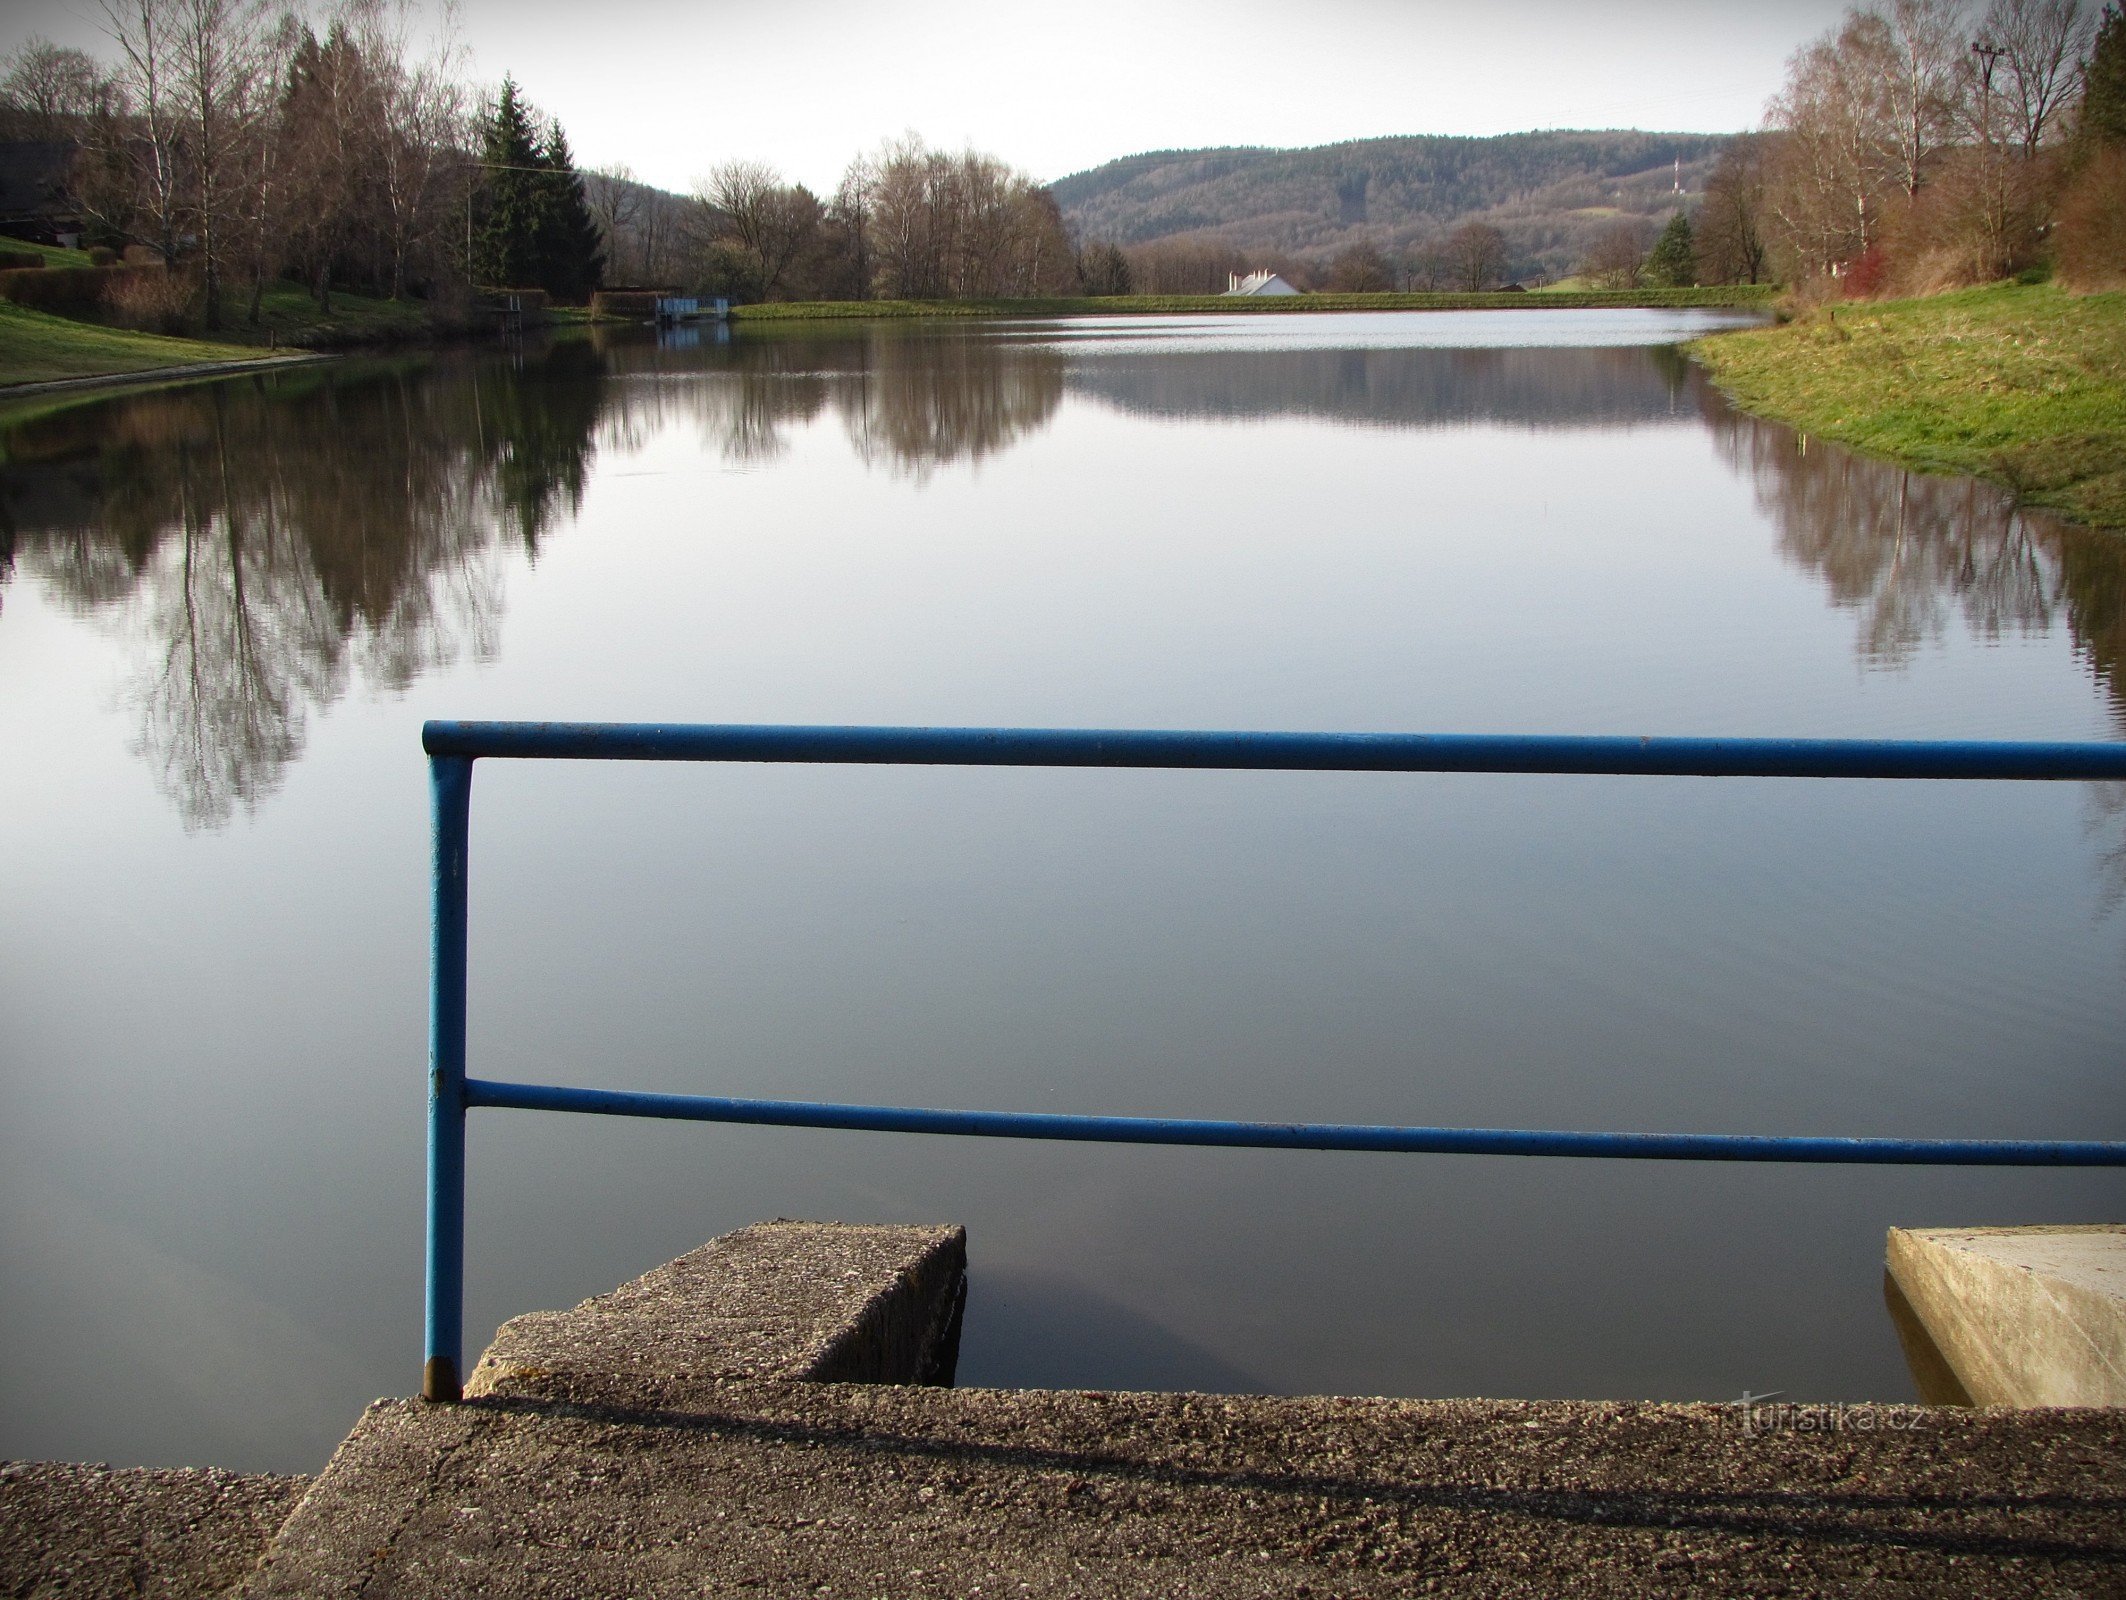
(905, 222)
(232, 138)
(1915, 146)
(244, 145)
(1926, 143)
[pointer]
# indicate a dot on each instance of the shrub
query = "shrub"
(85, 293)
(2089, 242)
(142, 255)
(154, 301)
(1865, 274)
(1978, 221)
(63, 291)
(19, 260)
(102, 255)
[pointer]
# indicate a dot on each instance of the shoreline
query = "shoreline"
(2023, 385)
(179, 372)
(182, 367)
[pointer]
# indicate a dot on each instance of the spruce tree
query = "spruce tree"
(1673, 261)
(2104, 83)
(571, 263)
(506, 250)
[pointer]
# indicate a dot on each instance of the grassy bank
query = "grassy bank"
(1744, 295)
(288, 315)
(2023, 384)
(38, 348)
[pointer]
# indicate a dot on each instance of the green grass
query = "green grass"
(1171, 304)
(53, 255)
(288, 315)
(2022, 384)
(36, 347)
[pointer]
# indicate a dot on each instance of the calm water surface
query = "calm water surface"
(229, 608)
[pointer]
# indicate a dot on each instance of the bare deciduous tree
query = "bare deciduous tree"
(772, 222)
(1476, 255)
(218, 46)
(1617, 254)
(1836, 159)
(1361, 269)
(1730, 227)
(416, 124)
(50, 90)
(1920, 57)
(615, 199)
(1183, 265)
(851, 208)
(2042, 43)
(138, 152)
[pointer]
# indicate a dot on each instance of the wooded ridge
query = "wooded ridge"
(1548, 193)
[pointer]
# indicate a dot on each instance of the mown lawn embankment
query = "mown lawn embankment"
(1743, 295)
(69, 328)
(2024, 384)
(36, 347)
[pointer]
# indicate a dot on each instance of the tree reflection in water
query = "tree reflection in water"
(910, 399)
(259, 542)
(262, 543)
(1906, 551)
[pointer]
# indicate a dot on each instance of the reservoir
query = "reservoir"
(225, 610)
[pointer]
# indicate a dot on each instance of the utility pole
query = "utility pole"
(1988, 53)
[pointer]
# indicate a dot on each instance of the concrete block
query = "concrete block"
(2020, 1316)
(795, 1301)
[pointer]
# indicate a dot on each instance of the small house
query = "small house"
(34, 198)
(1264, 282)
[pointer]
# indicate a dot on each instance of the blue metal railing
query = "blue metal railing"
(453, 747)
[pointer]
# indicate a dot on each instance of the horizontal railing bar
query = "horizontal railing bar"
(1301, 1135)
(1279, 752)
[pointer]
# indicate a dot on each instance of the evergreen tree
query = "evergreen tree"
(1673, 261)
(507, 248)
(2104, 83)
(571, 264)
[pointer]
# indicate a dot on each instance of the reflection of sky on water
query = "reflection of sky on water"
(1261, 332)
(231, 606)
(263, 542)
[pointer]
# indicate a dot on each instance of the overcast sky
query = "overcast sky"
(671, 89)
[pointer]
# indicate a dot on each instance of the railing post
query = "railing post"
(450, 790)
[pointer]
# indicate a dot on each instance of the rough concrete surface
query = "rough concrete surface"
(663, 1440)
(91, 1531)
(786, 1488)
(806, 1300)
(2021, 1316)
(676, 1438)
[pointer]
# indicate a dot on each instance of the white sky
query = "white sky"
(671, 88)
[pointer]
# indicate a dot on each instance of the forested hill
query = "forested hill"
(1548, 192)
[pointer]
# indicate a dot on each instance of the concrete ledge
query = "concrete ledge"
(93, 1531)
(792, 1301)
(2019, 1316)
(868, 1490)
(680, 1437)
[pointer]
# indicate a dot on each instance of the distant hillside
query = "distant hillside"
(1549, 193)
